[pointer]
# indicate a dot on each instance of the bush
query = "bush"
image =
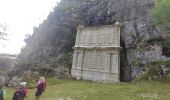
(161, 13)
(154, 39)
(166, 47)
(159, 70)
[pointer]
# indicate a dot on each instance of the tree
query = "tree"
(3, 29)
(27, 38)
(161, 13)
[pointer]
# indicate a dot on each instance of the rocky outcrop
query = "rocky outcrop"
(7, 64)
(53, 40)
(138, 28)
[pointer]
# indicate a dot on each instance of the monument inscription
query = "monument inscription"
(96, 53)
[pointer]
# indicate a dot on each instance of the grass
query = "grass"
(85, 90)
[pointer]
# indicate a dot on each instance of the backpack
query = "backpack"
(19, 94)
(1, 94)
(42, 86)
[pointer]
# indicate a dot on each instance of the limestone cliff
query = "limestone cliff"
(7, 64)
(52, 42)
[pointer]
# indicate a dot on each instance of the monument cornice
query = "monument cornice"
(117, 24)
(91, 47)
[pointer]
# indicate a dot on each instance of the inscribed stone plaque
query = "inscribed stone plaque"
(96, 53)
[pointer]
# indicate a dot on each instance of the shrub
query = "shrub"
(154, 39)
(166, 47)
(161, 13)
(159, 70)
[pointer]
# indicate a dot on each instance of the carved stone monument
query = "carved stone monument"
(96, 53)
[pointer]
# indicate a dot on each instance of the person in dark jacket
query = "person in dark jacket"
(41, 86)
(2, 92)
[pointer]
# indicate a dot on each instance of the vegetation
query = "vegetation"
(166, 47)
(154, 39)
(3, 29)
(85, 90)
(159, 70)
(161, 13)
(165, 44)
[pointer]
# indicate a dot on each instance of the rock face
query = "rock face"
(135, 16)
(7, 63)
(53, 40)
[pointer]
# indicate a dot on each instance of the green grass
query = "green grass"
(85, 90)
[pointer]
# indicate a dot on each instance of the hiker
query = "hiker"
(41, 86)
(21, 93)
(2, 92)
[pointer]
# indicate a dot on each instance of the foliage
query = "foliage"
(165, 44)
(159, 70)
(166, 47)
(3, 33)
(161, 13)
(85, 90)
(27, 38)
(154, 39)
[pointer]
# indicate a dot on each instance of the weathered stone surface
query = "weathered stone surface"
(7, 63)
(97, 54)
(135, 16)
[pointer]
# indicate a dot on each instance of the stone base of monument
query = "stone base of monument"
(95, 76)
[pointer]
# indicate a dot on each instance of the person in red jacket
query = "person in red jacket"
(21, 93)
(41, 86)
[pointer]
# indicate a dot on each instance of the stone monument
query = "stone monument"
(97, 53)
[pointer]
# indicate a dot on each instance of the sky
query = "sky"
(21, 16)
